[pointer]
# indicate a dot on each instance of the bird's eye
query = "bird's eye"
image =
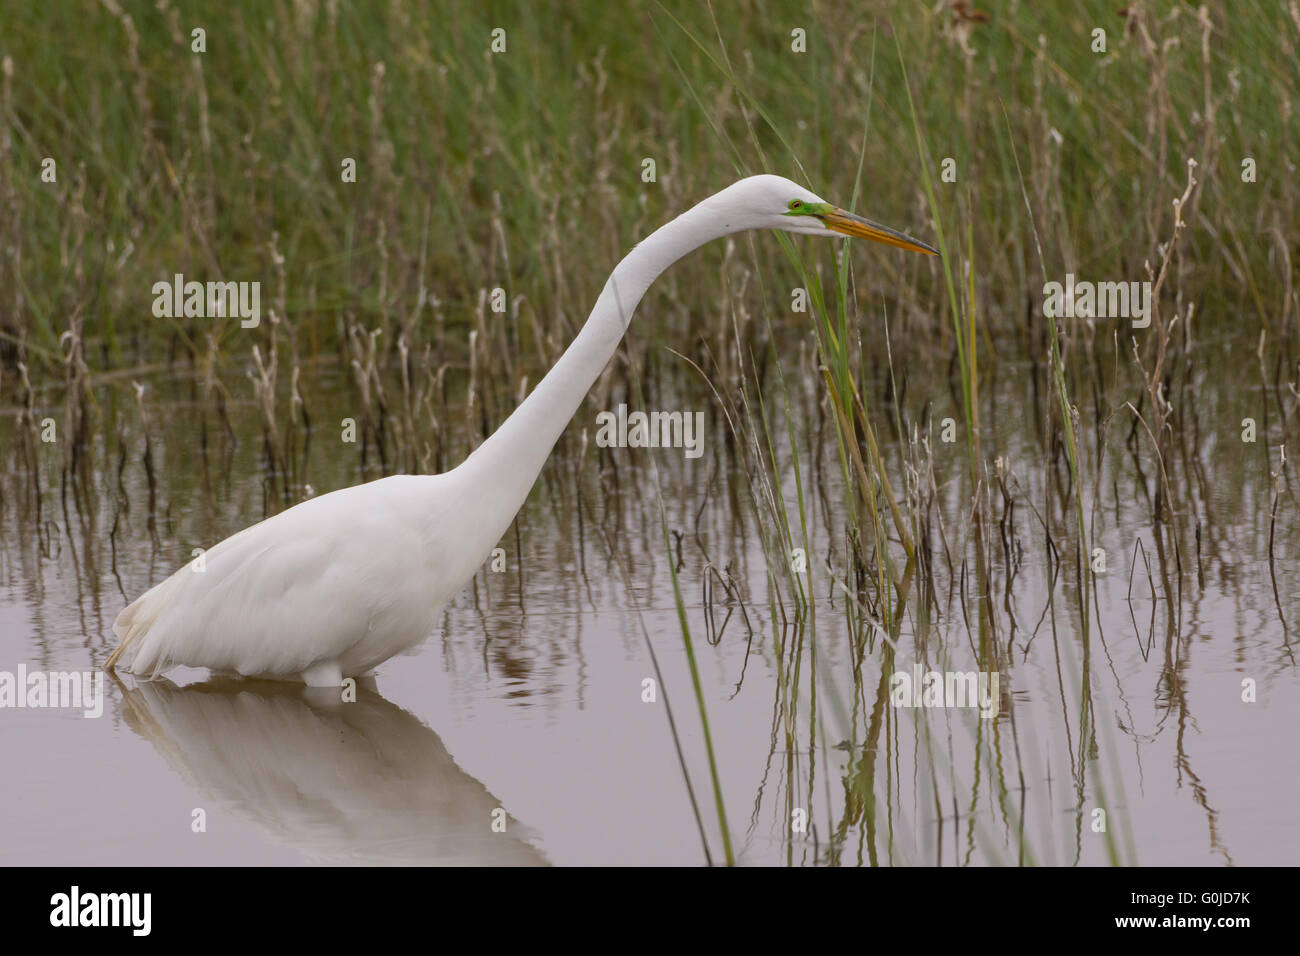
(795, 204)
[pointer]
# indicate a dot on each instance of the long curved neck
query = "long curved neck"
(505, 467)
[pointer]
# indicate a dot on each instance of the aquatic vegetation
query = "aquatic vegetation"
(897, 462)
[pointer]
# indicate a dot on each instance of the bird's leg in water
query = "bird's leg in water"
(324, 674)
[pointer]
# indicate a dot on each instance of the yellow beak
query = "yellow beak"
(847, 223)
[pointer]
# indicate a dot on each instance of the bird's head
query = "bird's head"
(774, 202)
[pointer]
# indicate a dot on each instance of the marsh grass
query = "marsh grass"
(867, 482)
(522, 172)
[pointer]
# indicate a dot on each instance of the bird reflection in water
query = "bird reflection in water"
(363, 782)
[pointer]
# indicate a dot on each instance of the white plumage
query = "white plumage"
(331, 587)
(336, 585)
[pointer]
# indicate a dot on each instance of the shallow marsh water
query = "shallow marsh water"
(528, 696)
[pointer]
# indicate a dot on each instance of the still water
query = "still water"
(519, 733)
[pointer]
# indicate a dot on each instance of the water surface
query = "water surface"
(526, 704)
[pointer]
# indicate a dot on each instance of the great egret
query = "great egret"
(336, 585)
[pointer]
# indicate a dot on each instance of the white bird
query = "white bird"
(336, 585)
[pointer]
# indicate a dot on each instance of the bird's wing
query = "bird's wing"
(271, 600)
